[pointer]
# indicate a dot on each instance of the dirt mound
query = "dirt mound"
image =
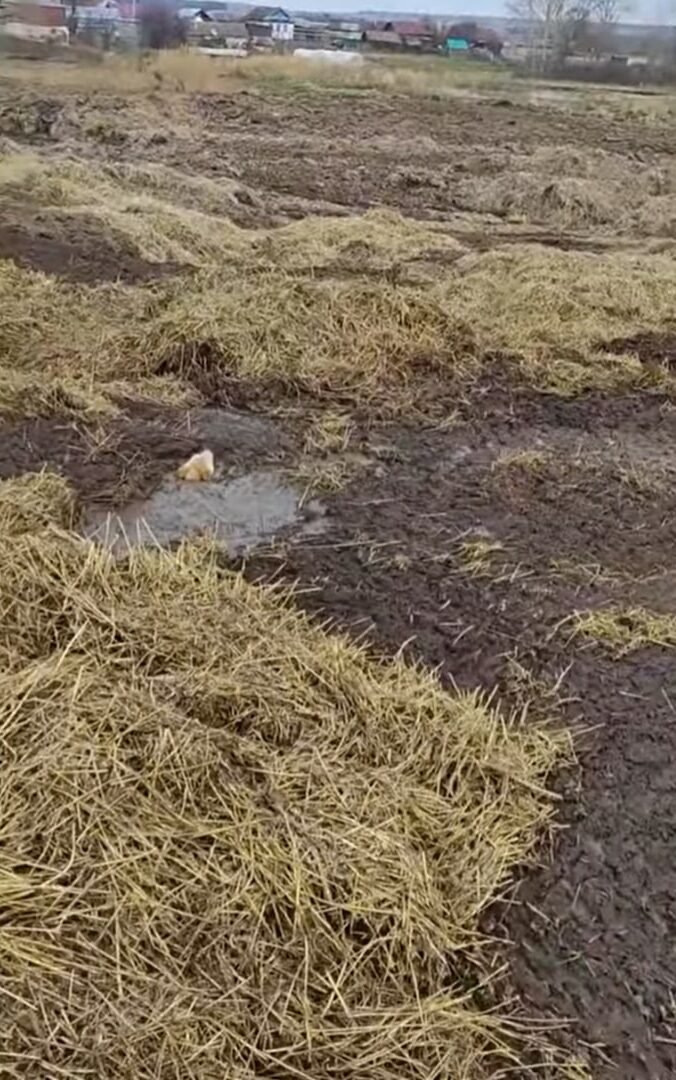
(31, 118)
(76, 249)
(655, 350)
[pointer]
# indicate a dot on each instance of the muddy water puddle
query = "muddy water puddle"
(240, 513)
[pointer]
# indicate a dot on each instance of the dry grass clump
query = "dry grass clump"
(477, 556)
(171, 217)
(525, 459)
(126, 199)
(174, 70)
(325, 475)
(607, 168)
(329, 432)
(51, 328)
(255, 311)
(419, 76)
(35, 501)
(547, 311)
(563, 186)
(655, 217)
(173, 234)
(175, 186)
(354, 337)
(567, 202)
(25, 394)
(177, 71)
(375, 241)
(234, 845)
(624, 630)
(552, 310)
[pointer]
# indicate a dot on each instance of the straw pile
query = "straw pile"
(319, 306)
(378, 240)
(356, 338)
(232, 845)
(562, 186)
(655, 217)
(552, 311)
(565, 202)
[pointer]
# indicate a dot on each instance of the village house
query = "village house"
(213, 31)
(470, 37)
(269, 24)
(344, 34)
(383, 40)
(44, 23)
(416, 35)
(233, 34)
(311, 33)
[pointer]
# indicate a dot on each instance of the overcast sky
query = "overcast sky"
(649, 11)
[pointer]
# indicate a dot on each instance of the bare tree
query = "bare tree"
(557, 27)
(607, 12)
(549, 24)
(607, 15)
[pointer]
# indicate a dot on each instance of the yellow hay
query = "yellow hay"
(233, 844)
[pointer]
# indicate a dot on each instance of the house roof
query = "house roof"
(267, 14)
(310, 24)
(231, 28)
(382, 37)
(409, 29)
(350, 27)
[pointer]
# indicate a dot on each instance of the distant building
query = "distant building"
(414, 34)
(386, 40)
(271, 23)
(476, 37)
(233, 34)
(345, 34)
(311, 32)
(35, 14)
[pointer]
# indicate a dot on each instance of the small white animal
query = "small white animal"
(198, 467)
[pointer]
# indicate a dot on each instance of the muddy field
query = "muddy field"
(477, 527)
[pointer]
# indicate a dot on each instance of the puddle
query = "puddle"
(240, 512)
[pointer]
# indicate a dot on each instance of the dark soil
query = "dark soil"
(653, 350)
(75, 249)
(591, 929)
(579, 525)
(296, 152)
(130, 457)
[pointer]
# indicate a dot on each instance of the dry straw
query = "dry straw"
(319, 306)
(232, 844)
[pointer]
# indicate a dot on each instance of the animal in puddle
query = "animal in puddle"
(198, 467)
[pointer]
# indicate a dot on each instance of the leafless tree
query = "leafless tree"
(607, 12)
(558, 26)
